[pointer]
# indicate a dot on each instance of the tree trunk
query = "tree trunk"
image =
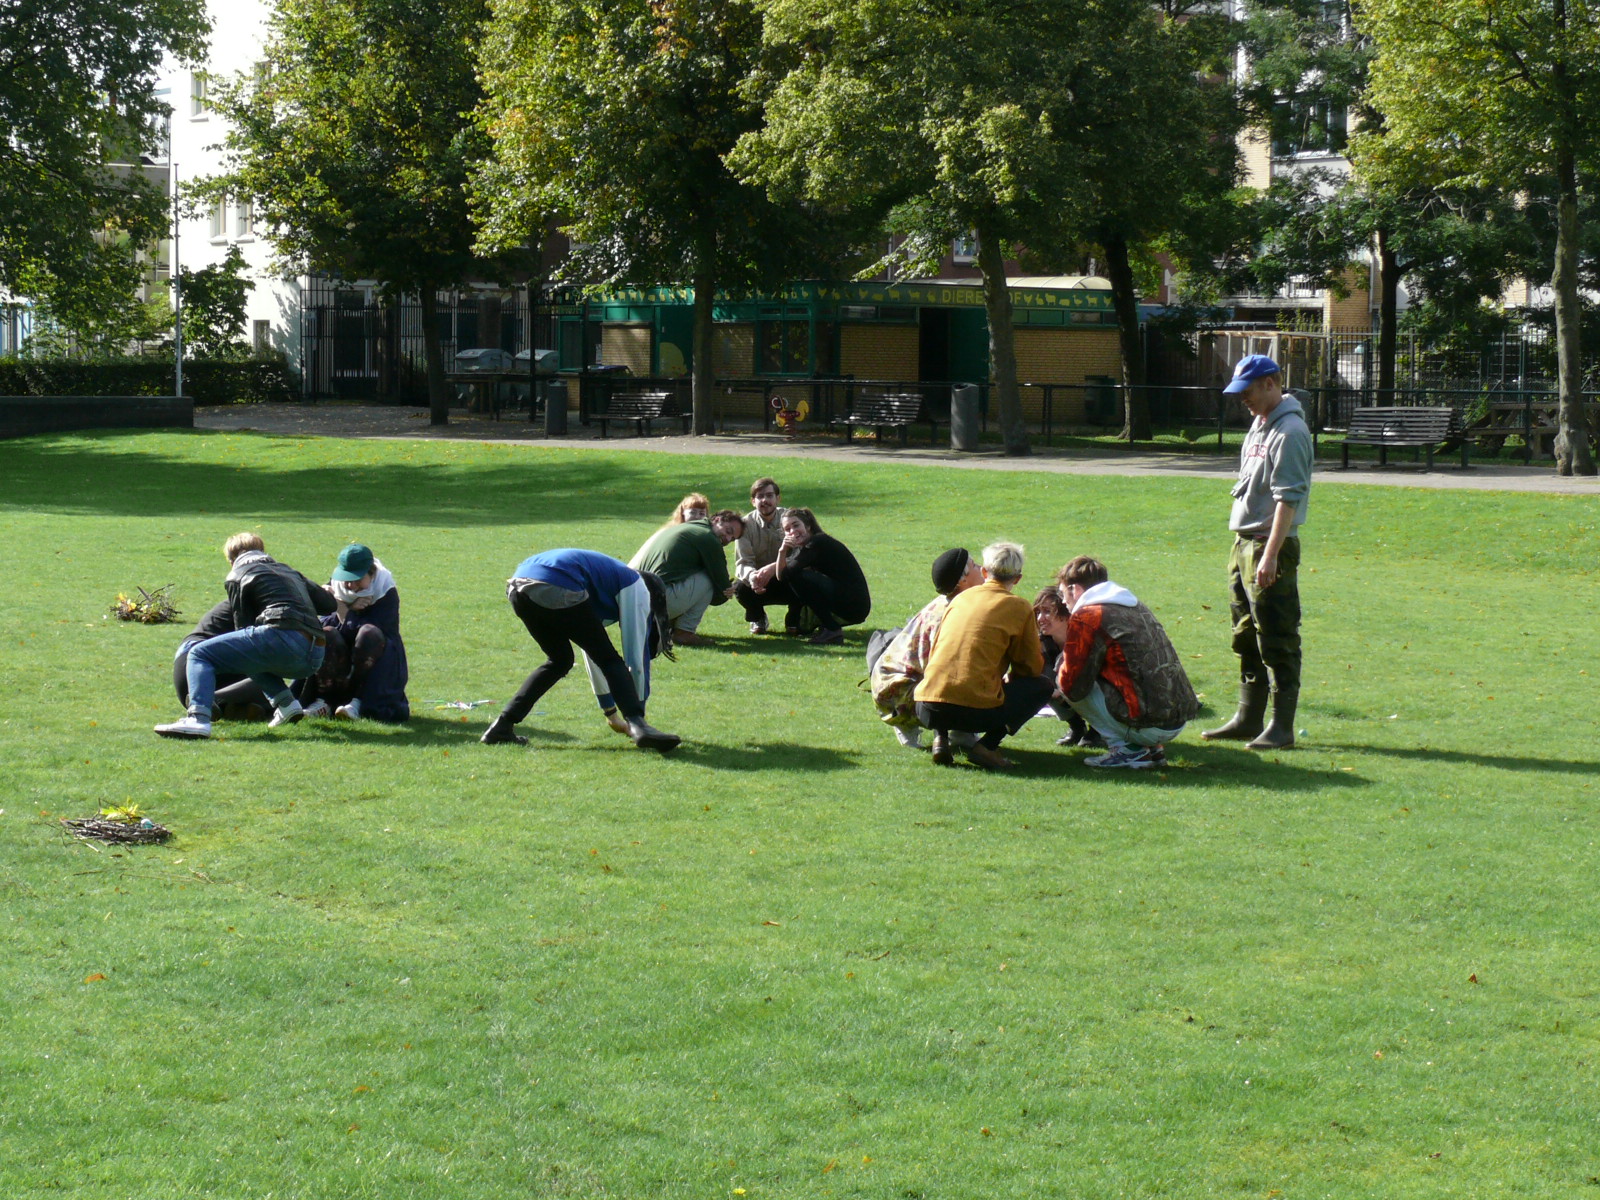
(702, 378)
(433, 356)
(1135, 402)
(1002, 344)
(1572, 426)
(1388, 315)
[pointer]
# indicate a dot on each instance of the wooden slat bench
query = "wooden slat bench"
(1420, 429)
(641, 408)
(890, 410)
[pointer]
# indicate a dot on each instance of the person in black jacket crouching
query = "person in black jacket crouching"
(823, 575)
(276, 637)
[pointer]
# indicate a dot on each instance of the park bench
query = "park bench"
(1420, 429)
(887, 410)
(641, 408)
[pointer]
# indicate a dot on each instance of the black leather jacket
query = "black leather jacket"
(262, 591)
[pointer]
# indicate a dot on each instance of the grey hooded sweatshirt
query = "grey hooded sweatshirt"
(1274, 465)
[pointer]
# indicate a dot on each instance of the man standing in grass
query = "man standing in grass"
(276, 637)
(1269, 506)
(756, 584)
(689, 559)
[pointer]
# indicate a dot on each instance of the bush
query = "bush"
(205, 381)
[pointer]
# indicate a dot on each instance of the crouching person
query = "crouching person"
(365, 672)
(276, 637)
(566, 598)
(903, 662)
(1119, 669)
(983, 674)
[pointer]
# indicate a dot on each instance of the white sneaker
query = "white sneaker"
(963, 738)
(911, 739)
(287, 715)
(348, 712)
(189, 726)
(317, 708)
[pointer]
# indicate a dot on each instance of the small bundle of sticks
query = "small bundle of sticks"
(148, 608)
(100, 829)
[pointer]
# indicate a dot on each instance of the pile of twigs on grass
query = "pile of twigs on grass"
(148, 608)
(119, 823)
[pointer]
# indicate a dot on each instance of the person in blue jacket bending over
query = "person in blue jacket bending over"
(566, 598)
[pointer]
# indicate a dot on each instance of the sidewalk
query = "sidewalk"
(386, 421)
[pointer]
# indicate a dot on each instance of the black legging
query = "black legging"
(820, 593)
(345, 667)
(1024, 697)
(558, 630)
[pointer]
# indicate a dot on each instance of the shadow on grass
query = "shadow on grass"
(764, 756)
(279, 476)
(1207, 767)
(1505, 762)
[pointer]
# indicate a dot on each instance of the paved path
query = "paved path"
(386, 421)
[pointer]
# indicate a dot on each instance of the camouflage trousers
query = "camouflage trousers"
(1266, 621)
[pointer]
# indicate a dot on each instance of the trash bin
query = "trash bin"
(555, 407)
(965, 417)
(1100, 400)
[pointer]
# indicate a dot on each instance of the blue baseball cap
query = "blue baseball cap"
(1251, 368)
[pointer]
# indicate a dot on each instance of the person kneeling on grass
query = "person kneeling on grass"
(688, 558)
(1119, 669)
(904, 661)
(566, 598)
(365, 673)
(823, 576)
(985, 633)
(277, 636)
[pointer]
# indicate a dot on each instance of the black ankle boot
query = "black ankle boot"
(502, 730)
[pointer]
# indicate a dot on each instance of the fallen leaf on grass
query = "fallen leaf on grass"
(832, 1163)
(1473, 978)
(95, 978)
(774, 924)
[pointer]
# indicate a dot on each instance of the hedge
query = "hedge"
(205, 381)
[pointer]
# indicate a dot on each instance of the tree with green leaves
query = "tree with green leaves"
(614, 121)
(214, 307)
(78, 104)
(1158, 169)
(956, 117)
(1496, 93)
(354, 140)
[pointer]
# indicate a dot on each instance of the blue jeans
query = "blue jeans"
(269, 656)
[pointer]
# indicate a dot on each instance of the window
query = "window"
(197, 97)
(965, 249)
(219, 221)
(783, 347)
(1309, 125)
(261, 336)
(244, 219)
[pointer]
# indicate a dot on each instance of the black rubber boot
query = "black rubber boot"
(648, 737)
(1280, 734)
(502, 730)
(1249, 720)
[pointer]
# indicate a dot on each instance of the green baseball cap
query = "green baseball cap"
(354, 562)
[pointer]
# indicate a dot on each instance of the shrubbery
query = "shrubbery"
(206, 381)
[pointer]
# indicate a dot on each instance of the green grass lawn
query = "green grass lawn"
(791, 959)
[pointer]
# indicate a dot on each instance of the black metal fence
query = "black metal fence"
(356, 345)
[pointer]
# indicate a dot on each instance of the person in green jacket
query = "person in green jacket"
(689, 559)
